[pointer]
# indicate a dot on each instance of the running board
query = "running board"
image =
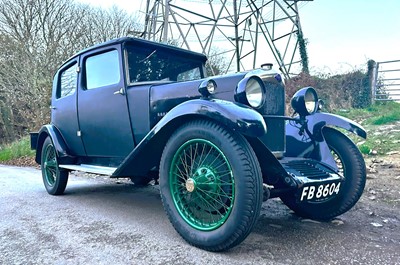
(91, 169)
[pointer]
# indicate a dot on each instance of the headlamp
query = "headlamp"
(305, 101)
(250, 91)
(207, 87)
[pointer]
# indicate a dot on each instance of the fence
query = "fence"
(386, 81)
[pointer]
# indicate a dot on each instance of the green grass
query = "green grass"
(365, 149)
(377, 114)
(382, 122)
(385, 119)
(16, 149)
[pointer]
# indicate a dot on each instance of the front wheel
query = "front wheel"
(211, 185)
(54, 179)
(351, 165)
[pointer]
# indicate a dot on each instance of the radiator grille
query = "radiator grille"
(274, 105)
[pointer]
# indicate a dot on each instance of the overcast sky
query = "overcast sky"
(342, 34)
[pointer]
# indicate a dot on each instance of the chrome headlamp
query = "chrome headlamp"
(207, 88)
(305, 101)
(250, 91)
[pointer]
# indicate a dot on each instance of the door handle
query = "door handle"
(121, 91)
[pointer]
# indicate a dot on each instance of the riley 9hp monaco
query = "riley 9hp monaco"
(219, 146)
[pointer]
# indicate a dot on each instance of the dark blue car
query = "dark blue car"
(218, 146)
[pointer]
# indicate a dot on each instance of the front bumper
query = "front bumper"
(310, 180)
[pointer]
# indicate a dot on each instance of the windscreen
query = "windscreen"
(146, 64)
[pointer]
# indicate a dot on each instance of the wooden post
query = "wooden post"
(373, 79)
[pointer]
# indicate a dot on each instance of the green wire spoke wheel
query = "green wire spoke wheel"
(211, 185)
(202, 184)
(54, 179)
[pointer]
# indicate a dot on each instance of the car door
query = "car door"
(102, 105)
(64, 107)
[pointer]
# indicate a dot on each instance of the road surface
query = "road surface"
(104, 221)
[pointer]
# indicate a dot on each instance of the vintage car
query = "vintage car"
(219, 146)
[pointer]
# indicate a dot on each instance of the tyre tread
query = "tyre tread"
(253, 194)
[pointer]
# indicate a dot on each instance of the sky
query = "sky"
(342, 35)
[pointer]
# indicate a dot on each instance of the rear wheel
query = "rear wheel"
(211, 185)
(54, 179)
(351, 165)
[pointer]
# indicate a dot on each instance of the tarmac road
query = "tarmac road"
(103, 221)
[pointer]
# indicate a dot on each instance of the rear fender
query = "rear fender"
(58, 142)
(147, 153)
(314, 146)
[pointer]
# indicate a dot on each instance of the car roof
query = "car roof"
(147, 43)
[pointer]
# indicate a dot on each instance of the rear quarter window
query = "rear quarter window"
(68, 81)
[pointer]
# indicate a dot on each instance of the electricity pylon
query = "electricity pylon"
(248, 32)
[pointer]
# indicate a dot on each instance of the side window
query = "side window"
(191, 74)
(68, 79)
(102, 70)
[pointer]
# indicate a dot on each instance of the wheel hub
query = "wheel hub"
(204, 178)
(190, 185)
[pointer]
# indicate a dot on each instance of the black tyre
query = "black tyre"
(54, 179)
(211, 185)
(351, 165)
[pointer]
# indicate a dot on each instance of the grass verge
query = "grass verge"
(17, 149)
(378, 114)
(382, 122)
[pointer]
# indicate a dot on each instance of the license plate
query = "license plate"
(320, 192)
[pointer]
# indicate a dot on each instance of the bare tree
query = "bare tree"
(217, 63)
(36, 36)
